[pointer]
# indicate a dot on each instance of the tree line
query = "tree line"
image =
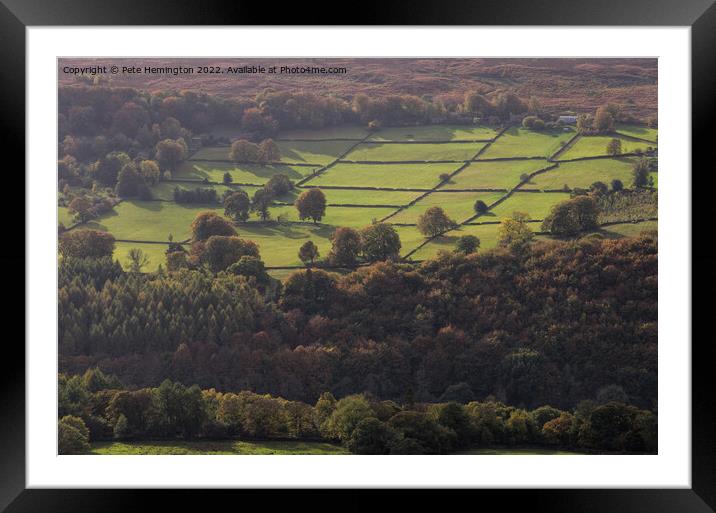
(94, 406)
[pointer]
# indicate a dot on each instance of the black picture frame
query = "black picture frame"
(700, 15)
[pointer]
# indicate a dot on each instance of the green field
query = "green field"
(155, 252)
(332, 132)
(64, 217)
(642, 132)
(240, 173)
(313, 152)
(360, 197)
(228, 447)
(520, 142)
(457, 205)
(628, 229)
(596, 145)
(354, 217)
(165, 190)
(279, 244)
(655, 177)
(280, 239)
(434, 133)
(487, 233)
(536, 204)
(408, 176)
(413, 152)
(584, 173)
(150, 220)
(494, 175)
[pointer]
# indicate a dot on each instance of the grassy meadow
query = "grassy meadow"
(376, 152)
(596, 146)
(520, 142)
(226, 447)
(280, 239)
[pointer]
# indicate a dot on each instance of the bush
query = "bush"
(72, 436)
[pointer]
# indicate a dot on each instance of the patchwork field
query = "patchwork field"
(596, 146)
(353, 202)
(501, 174)
(457, 205)
(376, 152)
(520, 142)
(642, 132)
(584, 173)
(150, 220)
(333, 132)
(240, 173)
(408, 176)
(487, 233)
(64, 217)
(536, 204)
(435, 133)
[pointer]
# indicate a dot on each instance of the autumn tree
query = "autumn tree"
(467, 244)
(308, 253)
(380, 241)
(346, 247)
(170, 152)
(244, 151)
(269, 151)
(572, 216)
(614, 147)
(129, 182)
(221, 251)
(640, 173)
(80, 206)
(434, 221)
(279, 184)
(514, 231)
(72, 436)
(261, 202)
(311, 204)
(137, 260)
(149, 170)
(208, 223)
(86, 244)
(603, 120)
(237, 206)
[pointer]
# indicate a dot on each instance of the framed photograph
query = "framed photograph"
(425, 251)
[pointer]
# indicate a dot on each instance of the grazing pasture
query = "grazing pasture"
(596, 146)
(64, 217)
(376, 152)
(408, 176)
(501, 174)
(457, 205)
(536, 204)
(150, 220)
(487, 233)
(583, 173)
(435, 133)
(520, 142)
(351, 197)
(330, 132)
(156, 253)
(240, 173)
(640, 131)
(354, 217)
